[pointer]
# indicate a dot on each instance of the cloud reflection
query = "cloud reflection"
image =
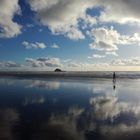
(33, 100)
(60, 126)
(4, 81)
(110, 107)
(8, 120)
(101, 114)
(52, 85)
(109, 118)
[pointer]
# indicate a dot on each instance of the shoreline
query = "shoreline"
(55, 74)
(70, 74)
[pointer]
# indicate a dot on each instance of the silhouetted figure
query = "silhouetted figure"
(114, 77)
(114, 80)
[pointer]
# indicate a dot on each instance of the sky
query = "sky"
(74, 35)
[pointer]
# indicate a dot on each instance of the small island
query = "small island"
(57, 70)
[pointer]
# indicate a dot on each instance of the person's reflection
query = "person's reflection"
(114, 85)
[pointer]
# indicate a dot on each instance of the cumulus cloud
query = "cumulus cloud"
(8, 27)
(36, 45)
(73, 64)
(62, 16)
(112, 53)
(107, 39)
(12, 64)
(56, 13)
(98, 56)
(67, 60)
(135, 61)
(89, 20)
(9, 64)
(85, 66)
(44, 62)
(75, 34)
(55, 46)
(34, 63)
(103, 46)
(127, 11)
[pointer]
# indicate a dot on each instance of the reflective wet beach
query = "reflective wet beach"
(69, 109)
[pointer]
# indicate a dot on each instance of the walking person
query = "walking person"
(114, 77)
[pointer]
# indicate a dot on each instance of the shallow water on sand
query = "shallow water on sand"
(69, 109)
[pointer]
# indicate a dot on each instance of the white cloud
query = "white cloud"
(36, 45)
(98, 56)
(62, 16)
(129, 64)
(84, 66)
(89, 57)
(44, 62)
(9, 64)
(51, 62)
(8, 27)
(34, 63)
(55, 46)
(67, 60)
(29, 25)
(57, 13)
(103, 46)
(135, 61)
(105, 39)
(127, 11)
(75, 34)
(130, 40)
(74, 64)
(90, 20)
(112, 53)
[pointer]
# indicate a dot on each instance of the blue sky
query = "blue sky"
(72, 35)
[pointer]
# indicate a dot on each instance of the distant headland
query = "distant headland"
(57, 70)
